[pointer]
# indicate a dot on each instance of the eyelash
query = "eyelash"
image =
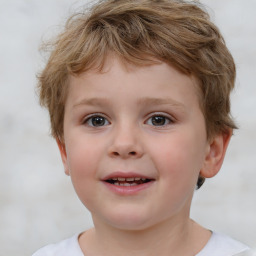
(88, 121)
(166, 119)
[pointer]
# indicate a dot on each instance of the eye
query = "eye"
(96, 121)
(158, 120)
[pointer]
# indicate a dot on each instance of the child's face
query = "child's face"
(140, 122)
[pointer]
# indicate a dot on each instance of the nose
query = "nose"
(125, 143)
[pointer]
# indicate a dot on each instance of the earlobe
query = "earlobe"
(63, 154)
(215, 154)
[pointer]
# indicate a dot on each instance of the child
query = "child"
(138, 95)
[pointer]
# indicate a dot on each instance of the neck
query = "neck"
(179, 238)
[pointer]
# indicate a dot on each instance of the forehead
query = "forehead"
(116, 77)
(108, 66)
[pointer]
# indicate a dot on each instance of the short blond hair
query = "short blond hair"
(179, 33)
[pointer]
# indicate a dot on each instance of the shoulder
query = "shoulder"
(222, 245)
(67, 247)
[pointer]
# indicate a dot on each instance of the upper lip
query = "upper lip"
(126, 175)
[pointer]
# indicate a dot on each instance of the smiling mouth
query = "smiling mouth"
(128, 182)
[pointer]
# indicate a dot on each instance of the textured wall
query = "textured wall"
(38, 204)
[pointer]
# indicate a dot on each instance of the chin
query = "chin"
(129, 220)
(131, 225)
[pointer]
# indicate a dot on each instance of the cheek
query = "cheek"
(82, 161)
(179, 160)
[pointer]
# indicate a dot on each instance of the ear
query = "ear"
(63, 154)
(215, 154)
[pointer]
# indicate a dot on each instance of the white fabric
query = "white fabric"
(218, 245)
(222, 245)
(67, 247)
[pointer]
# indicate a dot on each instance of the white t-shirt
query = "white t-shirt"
(218, 245)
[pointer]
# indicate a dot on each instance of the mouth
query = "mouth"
(128, 182)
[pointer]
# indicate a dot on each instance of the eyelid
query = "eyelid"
(162, 114)
(88, 117)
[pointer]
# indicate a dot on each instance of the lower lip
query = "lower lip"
(129, 190)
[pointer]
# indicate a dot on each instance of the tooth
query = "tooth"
(114, 178)
(129, 179)
(121, 179)
(143, 179)
(133, 184)
(137, 179)
(126, 184)
(121, 184)
(116, 183)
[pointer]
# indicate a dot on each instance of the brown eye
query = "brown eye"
(96, 121)
(158, 120)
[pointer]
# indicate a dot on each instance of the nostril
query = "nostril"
(123, 153)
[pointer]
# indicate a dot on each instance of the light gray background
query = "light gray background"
(38, 204)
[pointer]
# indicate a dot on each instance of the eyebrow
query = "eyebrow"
(92, 102)
(143, 101)
(161, 101)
